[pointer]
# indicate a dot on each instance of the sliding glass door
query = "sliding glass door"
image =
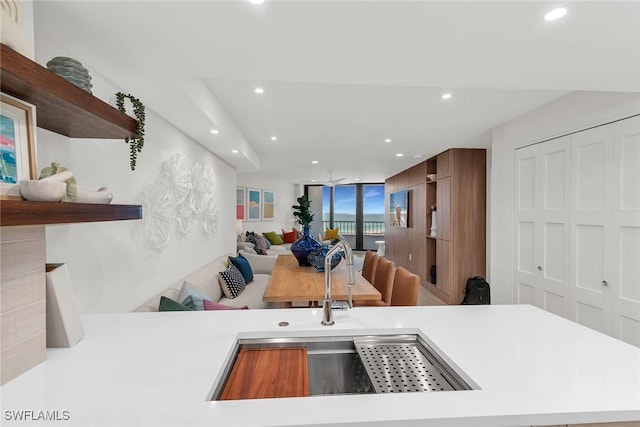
(357, 210)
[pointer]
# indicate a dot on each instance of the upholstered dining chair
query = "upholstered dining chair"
(369, 265)
(383, 282)
(405, 287)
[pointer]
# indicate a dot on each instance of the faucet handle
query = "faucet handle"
(339, 305)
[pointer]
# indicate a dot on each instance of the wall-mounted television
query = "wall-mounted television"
(399, 208)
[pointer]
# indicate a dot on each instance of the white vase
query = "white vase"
(433, 224)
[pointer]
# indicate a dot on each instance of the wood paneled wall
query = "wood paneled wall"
(22, 300)
(459, 191)
(406, 247)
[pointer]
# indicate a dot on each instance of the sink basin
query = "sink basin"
(359, 364)
(336, 368)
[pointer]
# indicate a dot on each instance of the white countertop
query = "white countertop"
(158, 369)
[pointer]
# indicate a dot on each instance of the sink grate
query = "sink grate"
(396, 368)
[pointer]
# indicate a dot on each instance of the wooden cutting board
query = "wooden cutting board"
(268, 372)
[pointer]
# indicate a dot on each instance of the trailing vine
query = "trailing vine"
(135, 144)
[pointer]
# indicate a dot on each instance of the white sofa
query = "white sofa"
(206, 278)
(247, 247)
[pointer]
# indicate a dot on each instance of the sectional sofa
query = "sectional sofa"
(206, 281)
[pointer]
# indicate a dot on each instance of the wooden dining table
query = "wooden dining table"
(291, 283)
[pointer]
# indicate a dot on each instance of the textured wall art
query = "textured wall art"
(179, 194)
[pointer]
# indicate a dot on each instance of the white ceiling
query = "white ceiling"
(342, 76)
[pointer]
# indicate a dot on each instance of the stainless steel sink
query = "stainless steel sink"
(336, 368)
(357, 364)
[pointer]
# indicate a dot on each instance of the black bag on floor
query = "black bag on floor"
(477, 292)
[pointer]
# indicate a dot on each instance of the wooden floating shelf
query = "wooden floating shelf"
(21, 212)
(61, 107)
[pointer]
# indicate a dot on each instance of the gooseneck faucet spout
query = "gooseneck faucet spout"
(327, 312)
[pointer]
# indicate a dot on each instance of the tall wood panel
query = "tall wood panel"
(458, 249)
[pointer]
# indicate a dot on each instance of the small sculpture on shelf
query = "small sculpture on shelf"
(433, 221)
(58, 184)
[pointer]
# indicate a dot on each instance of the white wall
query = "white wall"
(285, 197)
(571, 113)
(111, 266)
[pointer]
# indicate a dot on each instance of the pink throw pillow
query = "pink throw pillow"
(210, 305)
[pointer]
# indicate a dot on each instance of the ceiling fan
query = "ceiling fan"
(330, 182)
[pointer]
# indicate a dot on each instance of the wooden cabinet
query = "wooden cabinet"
(443, 212)
(461, 221)
(458, 251)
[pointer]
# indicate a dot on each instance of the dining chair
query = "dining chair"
(383, 282)
(369, 265)
(405, 287)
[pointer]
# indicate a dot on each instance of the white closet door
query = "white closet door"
(625, 275)
(527, 199)
(553, 254)
(591, 170)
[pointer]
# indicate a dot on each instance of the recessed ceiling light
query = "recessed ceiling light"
(274, 138)
(315, 162)
(399, 155)
(214, 131)
(357, 179)
(446, 95)
(556, 13)
(388, 140)
(256, 1)
(234, 151)
(259, 90)
(417, 156)
(313, 180)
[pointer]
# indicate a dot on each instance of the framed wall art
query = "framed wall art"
(254, 205)
(268, 205)
(17, 145)
(399, 204)
(241, 203)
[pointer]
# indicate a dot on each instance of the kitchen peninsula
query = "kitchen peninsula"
(528, 367)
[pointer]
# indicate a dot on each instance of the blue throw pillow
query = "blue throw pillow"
(196, 294)
(243, 265)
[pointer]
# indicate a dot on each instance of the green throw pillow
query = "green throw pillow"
(167, 304)
(273, 237)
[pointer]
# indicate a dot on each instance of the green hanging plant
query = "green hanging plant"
(135, 144)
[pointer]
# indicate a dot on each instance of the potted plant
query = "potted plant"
(305, 244)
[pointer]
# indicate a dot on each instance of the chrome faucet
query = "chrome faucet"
(327, 303)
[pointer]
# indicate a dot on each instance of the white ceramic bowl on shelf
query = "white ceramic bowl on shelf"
(431, 177)
(42, 191)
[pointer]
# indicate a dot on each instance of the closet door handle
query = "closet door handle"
(604, 283)
(539, 268)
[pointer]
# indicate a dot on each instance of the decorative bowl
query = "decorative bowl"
(42, 191)
(316, 259)
(431, 176)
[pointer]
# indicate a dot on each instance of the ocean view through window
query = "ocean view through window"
(358, 212)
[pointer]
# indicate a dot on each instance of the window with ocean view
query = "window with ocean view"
(357, 210)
